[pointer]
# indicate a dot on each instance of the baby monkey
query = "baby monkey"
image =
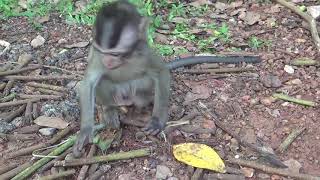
(123, 71)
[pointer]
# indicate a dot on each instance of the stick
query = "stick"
(28, 113)
(31, 96)
(110, 157)
(59, 175)
(7, 167)
(17, 71)
(305, 62)
(35, 112)
(311, 21)
(84, 169)
(2, 86)
(217, 176)
(102, 170)
(49, 91)
(294, 100)
(46, 86)
(30, 149)
(19, 102)
(51, 163)
(27, 172)
(270, 157)
(8, 98)
(15, 113)
(292, 136)
(42, 78)
(271, 170)
(15, 171)
(8, 87)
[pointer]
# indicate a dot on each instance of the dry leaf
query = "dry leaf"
(53, 122)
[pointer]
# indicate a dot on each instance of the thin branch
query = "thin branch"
(46, 86)
(43, 78)
(31, 96)
(17, 71)
(15, 113)
(19, 102)
(292, 136)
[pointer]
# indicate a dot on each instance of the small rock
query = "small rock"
(38, 41)
(271, 81)
(293, 165)
(6, 127)
(128, 176)
(247, 172)
(24, 58)
(163, 172)
(267, 101)
(69, 156)
(314, 11)
(234, 145)
(47, 131)
(294, 82)
(288, 69)
(263, 176)
(62, 41)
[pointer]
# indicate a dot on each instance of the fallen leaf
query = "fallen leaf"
(251, 18)
(199, 3)
(198, 92)
(199, 155)
(53, 122)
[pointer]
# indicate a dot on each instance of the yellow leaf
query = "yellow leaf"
(199, 155)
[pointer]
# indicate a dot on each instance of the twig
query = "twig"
(197, 174)
(60, 174)
(271, 170)
(8, 98)
(7, 167)
(46, 86)
(15, 113)
(57, 68)
(31, 96)
(8, 87)
(42, 78)
(220, 70)
(28, 113)
(2, 86)
(15, 171)
(272, 158)
(5, 66)
(110, 157)
(30, 149)
(305, 62)
(49, 91)
(27, 172)
(35, 112)
(311, 21)
(84, 169)
(19, 102)
(294, 100)
(17, 71)
(292, 136)
(20, 137)
(28, 129)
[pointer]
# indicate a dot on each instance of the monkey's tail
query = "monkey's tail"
(180, 62)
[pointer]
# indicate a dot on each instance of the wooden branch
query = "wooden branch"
(294, 100)
(84, 169)
(213, 71)
(42, 78)
(46, 86)
(110, 157)
(8, 98)
(311, 21)
(42, 96)
(271, 170)
(17, 71)
(15, 113)
(19, 102)
(7, 167)
(15, 171)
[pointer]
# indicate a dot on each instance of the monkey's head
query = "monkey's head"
(118, 29)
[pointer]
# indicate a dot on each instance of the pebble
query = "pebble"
(163, 172)
(38, 41)
(47, 131)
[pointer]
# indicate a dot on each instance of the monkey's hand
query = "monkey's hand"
(154, 126)
(85, 136)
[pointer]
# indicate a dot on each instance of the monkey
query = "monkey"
(123, 70)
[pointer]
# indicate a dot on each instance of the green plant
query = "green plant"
(8, 8)
(164, 50)
(176, 11)
(257, 43)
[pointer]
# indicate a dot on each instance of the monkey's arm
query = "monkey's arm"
(180, 62)
(161, 79)
(87, 102)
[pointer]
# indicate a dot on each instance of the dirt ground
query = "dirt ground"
(242, 100)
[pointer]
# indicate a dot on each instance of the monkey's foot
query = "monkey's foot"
(85, 137)
(154, 127)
